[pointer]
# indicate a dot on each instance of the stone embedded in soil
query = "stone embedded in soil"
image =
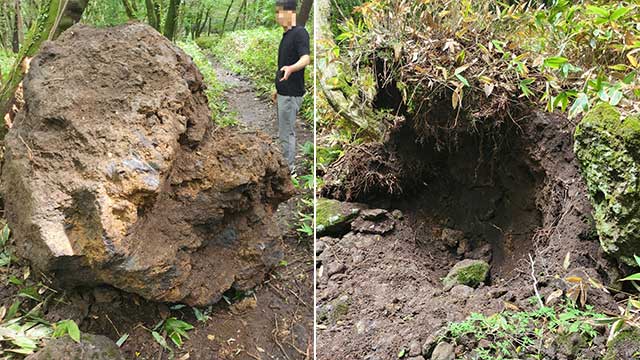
(466, 272)
(461, 291)
(334, 217)
(451, 237)
(374, 221)
(608, 149)
(115, 174)
(95, 347)
(443, 351)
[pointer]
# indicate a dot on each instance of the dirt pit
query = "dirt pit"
(485, 190)
(499, 197)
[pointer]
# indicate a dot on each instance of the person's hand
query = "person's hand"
(287, 73)
(274, 96)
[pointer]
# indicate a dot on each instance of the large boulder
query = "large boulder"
(114, 173)
(608, 148)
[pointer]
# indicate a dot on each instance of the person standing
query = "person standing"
(293, 57)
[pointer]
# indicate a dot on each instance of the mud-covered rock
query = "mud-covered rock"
(608, 149)
(334, 217)
(115, 174)
(466, 272)
(90, 347)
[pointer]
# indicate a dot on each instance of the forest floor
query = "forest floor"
(380, 291)
(275, 321)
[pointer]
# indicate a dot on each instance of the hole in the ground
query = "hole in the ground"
(484, 186)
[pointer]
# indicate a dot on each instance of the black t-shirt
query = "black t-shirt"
(294, 44)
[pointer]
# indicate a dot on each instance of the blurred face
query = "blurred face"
(284, 17)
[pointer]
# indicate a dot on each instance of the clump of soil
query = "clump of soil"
(498, 194)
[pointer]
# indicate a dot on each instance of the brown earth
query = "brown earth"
(500, 196)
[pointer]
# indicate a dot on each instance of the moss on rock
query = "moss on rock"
(608, 149)
(333, 216)
(467, 272)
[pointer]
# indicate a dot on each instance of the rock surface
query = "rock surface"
(466, 272)
(334, 217)
(90, 347)
(609, 152)
(115, 174)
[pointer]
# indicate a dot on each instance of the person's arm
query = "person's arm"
(299, 65)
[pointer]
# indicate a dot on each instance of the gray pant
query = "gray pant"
(288, 107)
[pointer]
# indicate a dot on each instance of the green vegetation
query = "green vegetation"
(484, 61)
(607, 148)
(525, 334)
(7, 59)
(22, 323)
(173, 328)
(253, 53)
(215, 89)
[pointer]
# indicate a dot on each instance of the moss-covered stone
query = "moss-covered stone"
(570, 344)
(467, 272)
(94, 347)
(608, 149)
(625, 345)
(333, 216)
(334, 311)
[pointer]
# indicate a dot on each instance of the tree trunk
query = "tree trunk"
(53, 19)
(235, 23)
(204, 22)
(128, 9)
(244, 16)
(303, 12)
(226, 15)
(71, 15)
(18, 34)
(170, 20)
(152, 15)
